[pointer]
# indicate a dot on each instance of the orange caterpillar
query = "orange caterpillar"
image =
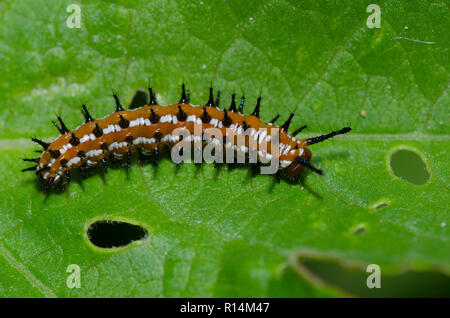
(149, 128)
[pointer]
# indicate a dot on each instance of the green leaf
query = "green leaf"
(220, 232)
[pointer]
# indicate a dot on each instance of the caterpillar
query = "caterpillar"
(150, 128)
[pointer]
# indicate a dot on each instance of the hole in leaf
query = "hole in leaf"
(352, 280)
(409, 166)
(109, 234)
(140, 99)
(360, 229)
(380, 205)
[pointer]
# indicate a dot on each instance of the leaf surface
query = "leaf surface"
(220, 232)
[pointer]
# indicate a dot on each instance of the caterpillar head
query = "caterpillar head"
(294, 170)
